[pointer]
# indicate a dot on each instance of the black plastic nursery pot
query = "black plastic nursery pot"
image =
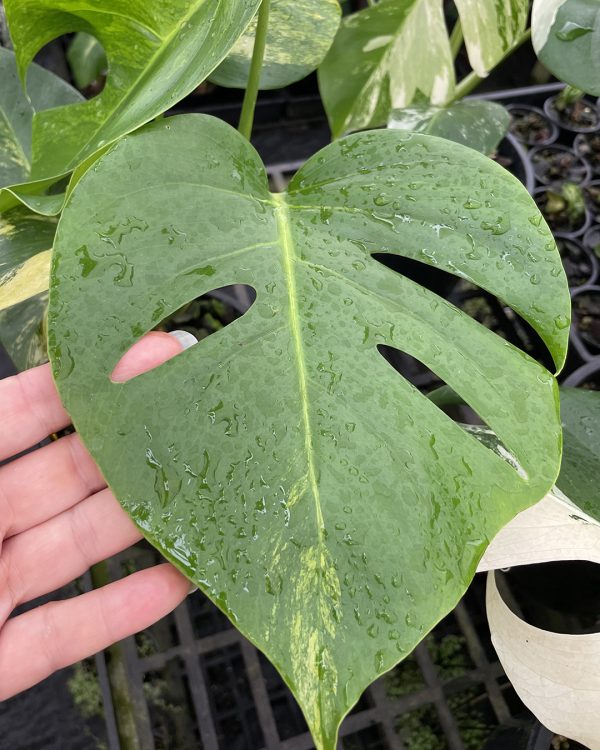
(531, 126)
(587, 146)
(557, 163)
(586, 376)
(559, 214)
(585, 333)
(542, 739)
(581, 116)
(579, 260)
(591, 192)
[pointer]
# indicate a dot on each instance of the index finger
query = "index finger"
(30, 410)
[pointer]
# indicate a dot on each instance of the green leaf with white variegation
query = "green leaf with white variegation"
(381, 59)
(330, 509)
(45, 91)
(86, 58)
(157, 52)
(491, 29)
(566, 38)
(476, 123)
(299, 35)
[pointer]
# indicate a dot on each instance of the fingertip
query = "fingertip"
(155, 348)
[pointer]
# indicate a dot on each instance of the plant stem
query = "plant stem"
(371, 3)
(471, 81)
(258, 54)
(456, 39)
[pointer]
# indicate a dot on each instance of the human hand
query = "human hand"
(57, 518)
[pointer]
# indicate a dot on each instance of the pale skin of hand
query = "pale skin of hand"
(57, 518)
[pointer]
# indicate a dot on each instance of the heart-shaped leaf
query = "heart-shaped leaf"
(45, 91)
(476, 123)
(157, 52)
(329, 508)
(579, 475)
(299, 35)
(565, 35)
(382, 57)
(491, 30)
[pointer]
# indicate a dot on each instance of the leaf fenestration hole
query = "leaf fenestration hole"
(435, 279)
(499, 317)
(451, 404)
(477, 303)
(201, 317)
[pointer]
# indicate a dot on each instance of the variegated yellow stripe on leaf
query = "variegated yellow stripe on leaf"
(25, 239)
(26, 280)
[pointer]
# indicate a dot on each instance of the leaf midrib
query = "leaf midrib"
(289, 258)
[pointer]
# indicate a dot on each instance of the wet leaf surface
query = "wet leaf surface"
(332, 511)
(565, 37)
(475, 123)
(300, 33)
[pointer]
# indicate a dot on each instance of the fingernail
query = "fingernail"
(191, 589)
(185, 338)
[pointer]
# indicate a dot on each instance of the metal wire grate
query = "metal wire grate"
(198, 683)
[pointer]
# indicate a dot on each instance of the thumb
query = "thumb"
(149, 352)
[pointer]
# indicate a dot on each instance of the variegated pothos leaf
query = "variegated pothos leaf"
(566, 38)
(299, 34)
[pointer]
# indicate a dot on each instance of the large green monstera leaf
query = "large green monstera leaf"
(45, 91)
(331, 510)
(157, 52)
(299, 35)
(566, 34)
